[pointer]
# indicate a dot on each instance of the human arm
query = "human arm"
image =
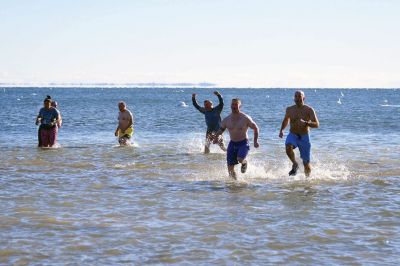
(220, 105)
(38, 119)
(313, 121)
(254, 126)
(285, 122)
(196, 105)
(220, 131)
(59, 121)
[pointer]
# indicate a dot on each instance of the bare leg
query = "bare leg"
(307, 169)
(209, 139)
(231, 171)
(207, 147)
(290, 154)
(244, 164)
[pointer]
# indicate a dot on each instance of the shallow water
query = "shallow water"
(164, 202)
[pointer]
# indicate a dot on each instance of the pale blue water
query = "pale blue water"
(164, 202)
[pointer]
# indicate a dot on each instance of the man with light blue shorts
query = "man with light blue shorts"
(301, 117)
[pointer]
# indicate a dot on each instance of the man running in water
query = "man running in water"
(301, 117)
(124, 130)
(238, 124)
(48, 118)
(213, 120)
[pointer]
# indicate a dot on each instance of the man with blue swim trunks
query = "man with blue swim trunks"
(213, 120)
(237, 124)
(301, 117)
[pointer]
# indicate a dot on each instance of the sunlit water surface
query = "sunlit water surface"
(162, 201)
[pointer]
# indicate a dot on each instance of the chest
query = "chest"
(236, 123)
(299, 114)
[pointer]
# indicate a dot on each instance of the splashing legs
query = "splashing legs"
(231, 171)
(307, 169)
(290, 154)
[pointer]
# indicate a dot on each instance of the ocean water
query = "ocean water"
(162, 201)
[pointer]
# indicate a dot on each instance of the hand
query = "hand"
(305, 122)
(256, 145)
(116, 133)
(281, 134)
(193, 95)
(216, 93)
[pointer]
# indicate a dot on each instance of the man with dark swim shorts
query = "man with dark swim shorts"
(301, 117)
(213, 120)
(238, 124)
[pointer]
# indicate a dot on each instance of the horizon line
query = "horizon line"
(178, 85)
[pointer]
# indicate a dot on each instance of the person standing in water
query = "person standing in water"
(238, 124)
(59, 120)
(48, 118)
(301, 117)
(213, 120)
(124, 130)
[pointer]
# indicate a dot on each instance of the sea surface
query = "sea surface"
(162, 201)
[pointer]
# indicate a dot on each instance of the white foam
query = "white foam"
(390, 105)
(183, 104)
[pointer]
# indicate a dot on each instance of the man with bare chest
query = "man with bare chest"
(237, 124)
(301, 117)
(124, 130)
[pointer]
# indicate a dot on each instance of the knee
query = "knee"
(289, 149)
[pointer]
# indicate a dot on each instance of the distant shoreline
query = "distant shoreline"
(168, 86)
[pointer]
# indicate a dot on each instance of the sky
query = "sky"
(249, 43)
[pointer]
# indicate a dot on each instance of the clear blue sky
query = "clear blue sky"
(281, 43)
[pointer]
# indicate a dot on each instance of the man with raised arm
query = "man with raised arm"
(301, 117)
(238, 124)
(213, 120)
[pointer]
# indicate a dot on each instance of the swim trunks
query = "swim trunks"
(48, 136)
(237, 149)
(125, 134)
(301, 141)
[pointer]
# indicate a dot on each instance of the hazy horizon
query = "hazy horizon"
(303, 44)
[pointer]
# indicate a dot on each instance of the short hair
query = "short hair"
(122, 102)
(301, 92)
(236, 100)
(208, 101)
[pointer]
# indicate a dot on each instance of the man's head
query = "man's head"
(122, 106)
(47, 103)
(235, 105)
(299, 98)
(208, 105)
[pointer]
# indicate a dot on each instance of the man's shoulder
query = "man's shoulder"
(308, 108)
(246, 116)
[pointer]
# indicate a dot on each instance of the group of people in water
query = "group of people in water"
(300, 116)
